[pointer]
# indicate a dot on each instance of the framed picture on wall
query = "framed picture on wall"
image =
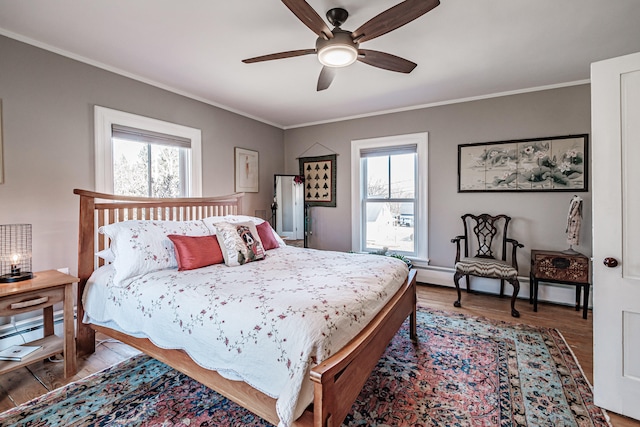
(556, 163)
(319, 180)
(247, 171)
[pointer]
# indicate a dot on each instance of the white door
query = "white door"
(615, 104)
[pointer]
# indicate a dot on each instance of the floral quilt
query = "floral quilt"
(266, 323)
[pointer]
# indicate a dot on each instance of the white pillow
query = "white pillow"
(239, 242)
(106, 254)
(141, 247)
(211, 222)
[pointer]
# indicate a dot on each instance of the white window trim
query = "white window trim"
(421, 227)
(105, 117)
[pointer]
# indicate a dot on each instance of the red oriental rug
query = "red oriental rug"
(464, 371)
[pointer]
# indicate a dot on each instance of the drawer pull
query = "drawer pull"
(561, 263)
(29, 303)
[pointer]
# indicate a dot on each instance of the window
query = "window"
(148, 164)
(389, 180)
(389, 185)
(140, 156)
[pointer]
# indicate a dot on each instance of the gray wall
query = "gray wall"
(539, 219)
(48, 105)
(48, 151)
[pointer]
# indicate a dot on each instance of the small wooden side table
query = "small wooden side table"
(45, 289)
(560, 267)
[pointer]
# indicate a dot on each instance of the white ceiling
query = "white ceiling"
(465, 49)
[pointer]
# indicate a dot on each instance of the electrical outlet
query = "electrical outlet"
(64, 270)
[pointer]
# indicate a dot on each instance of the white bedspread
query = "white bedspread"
(266, 322)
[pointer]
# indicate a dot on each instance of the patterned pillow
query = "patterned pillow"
(211, 222)
(240, 242)
(141, 247)
(106, 254)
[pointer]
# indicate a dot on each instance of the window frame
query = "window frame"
(104, 118)
(358, 188)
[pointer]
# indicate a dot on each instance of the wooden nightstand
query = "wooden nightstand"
(559, 267)
(45, 289)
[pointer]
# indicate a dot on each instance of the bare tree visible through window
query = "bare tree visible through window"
(144, 169)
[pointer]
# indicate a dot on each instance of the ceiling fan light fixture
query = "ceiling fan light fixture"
(338, 51)
(338, 55)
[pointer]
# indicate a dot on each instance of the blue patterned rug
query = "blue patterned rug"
(464, 371)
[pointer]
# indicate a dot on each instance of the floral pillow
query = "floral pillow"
(240, 242)
(106, 254)
(140, 247)
(211, 221)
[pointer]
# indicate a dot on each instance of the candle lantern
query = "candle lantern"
(15, 252)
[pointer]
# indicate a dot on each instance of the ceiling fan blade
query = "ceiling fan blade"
(326, 77)
(309, 17)
(280, 55)
(385, 61)
(393, 18)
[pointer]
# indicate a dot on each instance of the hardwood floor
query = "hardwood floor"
(22, 385)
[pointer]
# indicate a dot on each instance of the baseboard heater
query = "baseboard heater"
(28, 325)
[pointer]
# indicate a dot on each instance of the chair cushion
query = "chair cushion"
(485, 267)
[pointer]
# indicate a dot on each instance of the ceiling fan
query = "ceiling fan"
(339, 48)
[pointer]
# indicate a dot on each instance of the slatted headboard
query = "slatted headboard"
(98, 209)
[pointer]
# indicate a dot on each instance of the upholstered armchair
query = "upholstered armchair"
(484, 237)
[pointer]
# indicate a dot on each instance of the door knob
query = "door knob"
(610, 262)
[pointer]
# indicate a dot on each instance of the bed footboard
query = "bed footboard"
(339, 380)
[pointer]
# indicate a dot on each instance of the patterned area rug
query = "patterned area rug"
(464, 371)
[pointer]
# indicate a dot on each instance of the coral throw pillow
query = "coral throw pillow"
(266, 236)
(196, 251)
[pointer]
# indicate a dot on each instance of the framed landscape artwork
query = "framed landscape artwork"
(556, 163)
(247, 172)
(319, 180)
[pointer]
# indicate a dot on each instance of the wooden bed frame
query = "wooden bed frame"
(337, 381)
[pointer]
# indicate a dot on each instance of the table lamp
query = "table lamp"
(15, 253)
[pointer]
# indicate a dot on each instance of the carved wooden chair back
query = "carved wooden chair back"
(488, 231)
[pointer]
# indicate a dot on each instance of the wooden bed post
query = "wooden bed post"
(85, 335)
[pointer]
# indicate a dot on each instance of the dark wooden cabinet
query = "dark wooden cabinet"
(560, 267)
